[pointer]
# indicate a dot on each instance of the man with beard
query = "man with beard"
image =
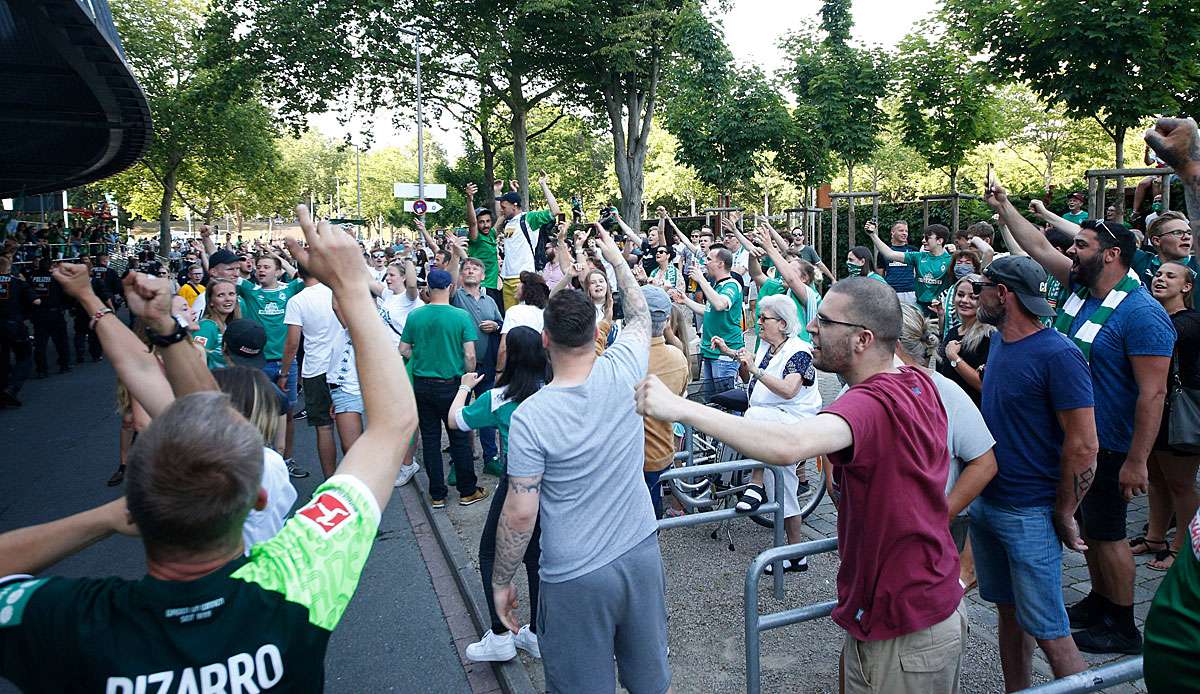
(899, 598)
(1128, 339)
(1037, 402)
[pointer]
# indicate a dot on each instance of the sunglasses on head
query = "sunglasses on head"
(1104, 226)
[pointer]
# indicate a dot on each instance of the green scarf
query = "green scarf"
(1089, 330)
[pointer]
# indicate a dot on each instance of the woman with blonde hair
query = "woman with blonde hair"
(963, 355)
(221, 307)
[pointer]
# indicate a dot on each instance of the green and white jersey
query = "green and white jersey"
(931, 273)
(1173, 624)
(210, 337)
(259, 623)
(267, 306)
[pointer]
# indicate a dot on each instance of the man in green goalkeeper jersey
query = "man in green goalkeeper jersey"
(205, 617)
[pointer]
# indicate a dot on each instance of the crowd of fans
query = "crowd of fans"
(1000, 402)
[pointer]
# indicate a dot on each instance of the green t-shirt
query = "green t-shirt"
(876, 276)
(480, 415)
(1173, 623)
(437, 333)
(1055, 294)
(931, 273)
(1077, 217)
(672, 275)
(1146, 264)
(726, 325)
(259, 623)
(267, 307)
(483, 247)
(209, 337)
(776, 285)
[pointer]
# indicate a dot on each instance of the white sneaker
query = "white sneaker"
(527, 641)
(492, 648)
(406, 474)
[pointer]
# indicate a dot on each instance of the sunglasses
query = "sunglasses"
(977, 287)
(1104, 226)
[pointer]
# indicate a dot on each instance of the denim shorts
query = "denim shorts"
(344, 401)
(1018, 560)
(271, 369)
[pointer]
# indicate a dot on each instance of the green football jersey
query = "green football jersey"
(259, 623)
(1173, 624)
(267, 306)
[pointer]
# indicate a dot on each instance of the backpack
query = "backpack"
(539, 250)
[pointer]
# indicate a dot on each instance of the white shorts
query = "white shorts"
(791, 482)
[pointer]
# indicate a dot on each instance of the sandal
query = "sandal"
(1143, 545)
(751, 499)
(672, 512)
(117, 477)
(789, 566)
(1157, 564)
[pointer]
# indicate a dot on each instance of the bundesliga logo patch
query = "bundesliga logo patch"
(327, 512)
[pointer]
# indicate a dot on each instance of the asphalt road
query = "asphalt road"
(60, 448)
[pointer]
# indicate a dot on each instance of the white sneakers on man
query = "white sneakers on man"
(500, 647)
(406, 474)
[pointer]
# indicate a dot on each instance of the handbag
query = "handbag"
(1183, 432)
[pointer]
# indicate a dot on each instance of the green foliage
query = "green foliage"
(1117, 61)
(725, 118)
(946, 103)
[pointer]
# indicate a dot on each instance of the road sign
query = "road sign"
(419, 207)
(430, 206)
(412, 190)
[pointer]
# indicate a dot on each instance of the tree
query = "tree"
(1116, 62)
(946, 103)
(210, 130)
(838, 88)
(724, 118)
(1044, 136)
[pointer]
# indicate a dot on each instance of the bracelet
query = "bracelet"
(97, 316)
(464, 389)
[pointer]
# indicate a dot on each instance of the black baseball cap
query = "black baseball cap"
(223, 257)
(511, 197)
(1024, 277)
(244, 341)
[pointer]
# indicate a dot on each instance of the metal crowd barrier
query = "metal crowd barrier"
(757, 623)
(769, 507)
(1127, 670)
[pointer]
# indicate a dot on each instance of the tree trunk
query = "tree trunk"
(630, 104)
(164, 211)
(1119, 140)
(850, 201)
(953, 180)
(520, 131)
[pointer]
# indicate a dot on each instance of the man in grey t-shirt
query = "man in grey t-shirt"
(575, 456)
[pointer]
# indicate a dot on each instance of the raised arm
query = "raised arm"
(551, 202)
(410, 278)
(210, 246)
(1009, 242)
(472, 220)
(637, 313)
(986, 253)
(334, 259)
(185, 366)
(1078, 469)
(458, 251)
(1177, 142)
(1038, 208)
(429, 240)
(883, 249)
(790, 275)
(1028, 236)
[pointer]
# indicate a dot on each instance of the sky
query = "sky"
(752, 30)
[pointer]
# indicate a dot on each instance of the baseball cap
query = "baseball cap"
(658, 302)
(511, 197)
(222, 257)
(1024, 277)
(244, 341)
(1077, 195)
(439, 279)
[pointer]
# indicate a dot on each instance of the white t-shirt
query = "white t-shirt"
(263, 525)
(394, 309)
(522, 314)
(518, 253)
(198, 305)
(343, 368)
(312, 310)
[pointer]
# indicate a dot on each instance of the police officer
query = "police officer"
(48, 321)
(16, 354)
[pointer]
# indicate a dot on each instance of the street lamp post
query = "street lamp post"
(420, 118)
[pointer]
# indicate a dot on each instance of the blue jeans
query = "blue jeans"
(1018, 560)
(271, 369)
(717, 376)
(655, 491)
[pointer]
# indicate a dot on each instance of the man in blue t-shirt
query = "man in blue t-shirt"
(1037, 402)
(1128, 339)
(899, 275)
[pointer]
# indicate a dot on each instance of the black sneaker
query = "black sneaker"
(1087, 612)
(294, 470)
(300, 415)
(1105, 638)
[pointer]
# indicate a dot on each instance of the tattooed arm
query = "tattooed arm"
(1078, 464)
(513, 532)
(1177, 142)
(637, 313)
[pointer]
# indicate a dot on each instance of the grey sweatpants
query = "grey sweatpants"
(617, 610)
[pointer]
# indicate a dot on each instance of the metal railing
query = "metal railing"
(774, 508)
(757, 623)
(1127, 670)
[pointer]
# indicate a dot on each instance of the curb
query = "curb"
(511, 674)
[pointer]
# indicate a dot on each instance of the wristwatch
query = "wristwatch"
(177, 335)
(954, 363)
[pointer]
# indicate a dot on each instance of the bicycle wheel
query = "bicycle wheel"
(697, 493)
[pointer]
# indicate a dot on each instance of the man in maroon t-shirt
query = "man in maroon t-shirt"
(899, 598)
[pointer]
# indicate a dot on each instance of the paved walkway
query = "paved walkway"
(61, 447)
